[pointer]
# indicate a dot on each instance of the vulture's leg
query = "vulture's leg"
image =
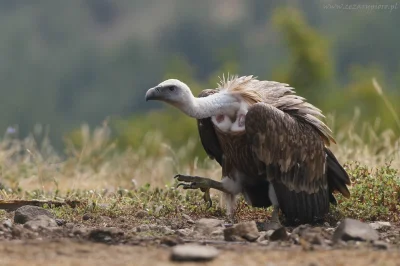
(274, 223)
(202, 183)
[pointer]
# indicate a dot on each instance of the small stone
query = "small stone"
(217, 233)
(350, 229)
(247, 231)
(69, 225)
(263, 236)
(105, 219)
(300, 229)
(171, 241)
(141, 214)
(188, 218)
(166, 230)
(206, 226)
(279, 235)
(183, 232)
(105, 235)
(380, 245)
(41, 221)
(271, 226)
(383, 226)
(7, 223)
(28, 213)
(60, 222)
(142, 228)
(312, 235)
(269, 233)
(264, 242)
(193, 252)
(86, 216)
(79, 231)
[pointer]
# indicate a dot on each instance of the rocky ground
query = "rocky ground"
(33, 235)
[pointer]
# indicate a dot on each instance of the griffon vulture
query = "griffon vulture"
(272, 147)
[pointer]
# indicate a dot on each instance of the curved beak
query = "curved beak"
(153, 94)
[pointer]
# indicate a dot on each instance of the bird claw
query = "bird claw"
(196, 182)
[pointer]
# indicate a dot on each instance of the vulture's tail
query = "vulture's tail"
(337, 177)
(302, 207)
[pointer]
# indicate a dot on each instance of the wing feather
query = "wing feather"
(287, 145)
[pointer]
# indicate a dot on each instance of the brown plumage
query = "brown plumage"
(280, 145)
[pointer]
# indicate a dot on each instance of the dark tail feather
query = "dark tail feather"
(302, 207)
(337, 176)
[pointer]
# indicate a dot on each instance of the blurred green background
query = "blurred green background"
(66, 63)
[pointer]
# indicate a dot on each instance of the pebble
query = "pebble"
(41, 221)
(86, 216)
(246, 230)
(28, 213)
(141, 214)
(279, 235)
(350, 229)
(206, 226)
(7, 223)
(192, 252)
(380, 225)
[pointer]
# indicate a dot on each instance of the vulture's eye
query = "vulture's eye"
(171, 88)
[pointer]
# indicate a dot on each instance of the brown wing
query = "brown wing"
(280, 140)
(208, 137)
(295, 159)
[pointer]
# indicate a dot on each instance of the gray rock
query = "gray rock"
(263, 237)
(69, 225)
(207, 226)
(141, 214)
(381, 245)
(218, 233)
(271, 225)
(142, 228)
(193, 252)
(40, 222)
(60, 222)
(279, 235)
(79, 231)
(246, 230)
(269, 233)
(171, 241)
(350, 229)
(7, 223)
(105, 235)
(312, 235)
(264, 242)
(28, 213)
(380, 225)
(86, 216)
(184, 232)
(188, 219)
(165, 230)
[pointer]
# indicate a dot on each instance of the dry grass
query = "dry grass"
(30, 168)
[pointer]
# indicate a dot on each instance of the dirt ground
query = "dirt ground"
(67, 252)
(141, 239)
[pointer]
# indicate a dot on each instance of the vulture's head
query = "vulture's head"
(171, 91)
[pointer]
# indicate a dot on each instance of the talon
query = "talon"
(207, 197)
(181, 184)
(187, 186)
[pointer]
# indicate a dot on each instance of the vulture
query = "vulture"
(270, 142)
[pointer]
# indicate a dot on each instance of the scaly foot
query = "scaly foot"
(274, 223)
(197, 182)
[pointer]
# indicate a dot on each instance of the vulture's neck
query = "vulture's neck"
(216, 104)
